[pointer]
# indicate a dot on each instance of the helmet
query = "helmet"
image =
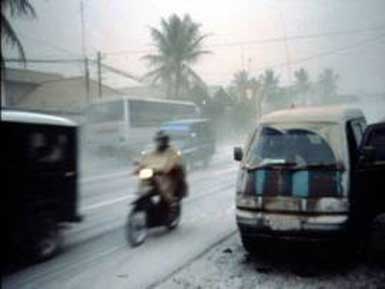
(161, 136)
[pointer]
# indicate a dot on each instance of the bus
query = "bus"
(126, 124)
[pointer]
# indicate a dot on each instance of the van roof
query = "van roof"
(314, 114)
(34, 118)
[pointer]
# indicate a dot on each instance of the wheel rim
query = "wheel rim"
(138, 228)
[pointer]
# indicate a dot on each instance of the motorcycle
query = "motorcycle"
(149, 210)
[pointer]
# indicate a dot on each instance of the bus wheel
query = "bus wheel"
(48, 241)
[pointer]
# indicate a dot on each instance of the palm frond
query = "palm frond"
(19, 7)
(9, 36)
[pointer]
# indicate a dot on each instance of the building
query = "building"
(67, 94)
(17, 83)
(51, 93)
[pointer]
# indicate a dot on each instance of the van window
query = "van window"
(358, 129)
(377, 140)
(39, 146)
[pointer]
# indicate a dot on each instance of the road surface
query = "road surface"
(204, 252)
(95, 253)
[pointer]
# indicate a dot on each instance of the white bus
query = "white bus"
(128, 123)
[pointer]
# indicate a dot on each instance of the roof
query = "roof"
(146, 99)
(29, 76)
(66, 94)
(34, 118)
(314, 114)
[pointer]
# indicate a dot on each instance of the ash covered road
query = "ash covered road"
(204, 252)
(96, 253)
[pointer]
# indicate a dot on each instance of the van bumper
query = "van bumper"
(267, 225)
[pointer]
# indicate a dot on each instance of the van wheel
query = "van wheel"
(48, 241)
(251, 245)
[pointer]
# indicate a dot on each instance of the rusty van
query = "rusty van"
(301, 176)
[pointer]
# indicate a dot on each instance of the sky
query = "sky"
(345, 35)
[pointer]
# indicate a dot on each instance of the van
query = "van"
(40, 187)
(303, 176)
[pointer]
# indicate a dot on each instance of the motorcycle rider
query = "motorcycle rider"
(166, 161)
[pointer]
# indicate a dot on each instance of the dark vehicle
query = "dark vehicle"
(39, 172)
(194, 138)
(310, 174)
(149, 210)
(368, 202)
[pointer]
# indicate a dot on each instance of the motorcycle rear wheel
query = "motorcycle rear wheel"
(136, 227)
(174, 219)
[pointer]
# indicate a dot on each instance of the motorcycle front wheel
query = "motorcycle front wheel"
(136, 228)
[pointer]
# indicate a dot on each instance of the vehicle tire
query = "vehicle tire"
(136, 228)
(174, 220)
(377, 239)
(251, 245)
(47, 242)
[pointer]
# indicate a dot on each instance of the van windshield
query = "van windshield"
(295, 145)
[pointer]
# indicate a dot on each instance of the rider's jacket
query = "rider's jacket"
(164, 162)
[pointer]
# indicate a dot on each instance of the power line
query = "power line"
(264, 41)
(329, 52)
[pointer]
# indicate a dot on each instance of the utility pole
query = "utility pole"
(84, 53)
(87, 79)
(99, 68)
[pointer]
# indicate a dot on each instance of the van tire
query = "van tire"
(251, 245)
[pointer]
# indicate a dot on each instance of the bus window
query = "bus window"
(149, 113)
(106, 112)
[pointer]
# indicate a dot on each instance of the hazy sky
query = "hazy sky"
(346, 35)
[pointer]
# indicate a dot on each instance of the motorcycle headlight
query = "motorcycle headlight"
(146, 174)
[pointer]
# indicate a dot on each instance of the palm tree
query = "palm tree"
(241, 82)
(179, 44)
(269, 81)
(256, 97)
(327, 83)
(302, 84)
(302, 80)
(8, 34)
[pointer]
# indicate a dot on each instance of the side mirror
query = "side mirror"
(238, 154)
(368, 154)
